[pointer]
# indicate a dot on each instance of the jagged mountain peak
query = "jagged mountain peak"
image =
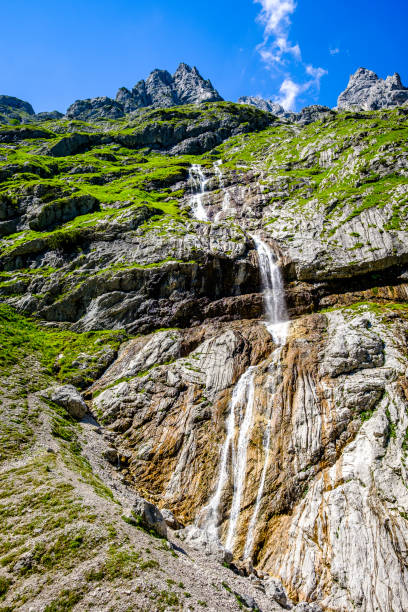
(159, 90)
(367, 91)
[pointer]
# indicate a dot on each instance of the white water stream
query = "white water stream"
(243, 397)
(249, 542)
(273, 291)
(199, 181)
(245, 391)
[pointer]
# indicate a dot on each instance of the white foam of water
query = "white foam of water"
(273, 291)
(244, 394)
(277, 324)
(197, 177)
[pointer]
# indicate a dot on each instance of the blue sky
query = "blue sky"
(295, 51)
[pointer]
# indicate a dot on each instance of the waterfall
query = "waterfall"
(277, 325)
(273, 291)
(243, 391)
(243, 399)
(196, 176)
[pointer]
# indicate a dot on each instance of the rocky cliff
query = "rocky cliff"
(140, 260)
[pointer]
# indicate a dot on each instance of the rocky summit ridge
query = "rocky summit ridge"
(159, 90)
(203, 360)
(366, 91)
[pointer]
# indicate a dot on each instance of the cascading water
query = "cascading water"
(199, 181)
(277, 325)
(273, 291)
(243, 391)
(243, 397)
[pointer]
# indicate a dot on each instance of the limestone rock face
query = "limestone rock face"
(366, 91)
(191, 88)
(95, 108)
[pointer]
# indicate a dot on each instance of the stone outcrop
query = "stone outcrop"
(14, 110)
(366, 91)
(161, 90)
(8, 102)
(95, 108)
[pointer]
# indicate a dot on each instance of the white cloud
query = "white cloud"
(275, 15)
(316, 73)
(276, 50)
(334, 51)
(289, 91)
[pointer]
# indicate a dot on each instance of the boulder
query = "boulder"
(246, 600)
(150, 515)
(171, 520)
(69, 398)
(276, 591)
(202, 541)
